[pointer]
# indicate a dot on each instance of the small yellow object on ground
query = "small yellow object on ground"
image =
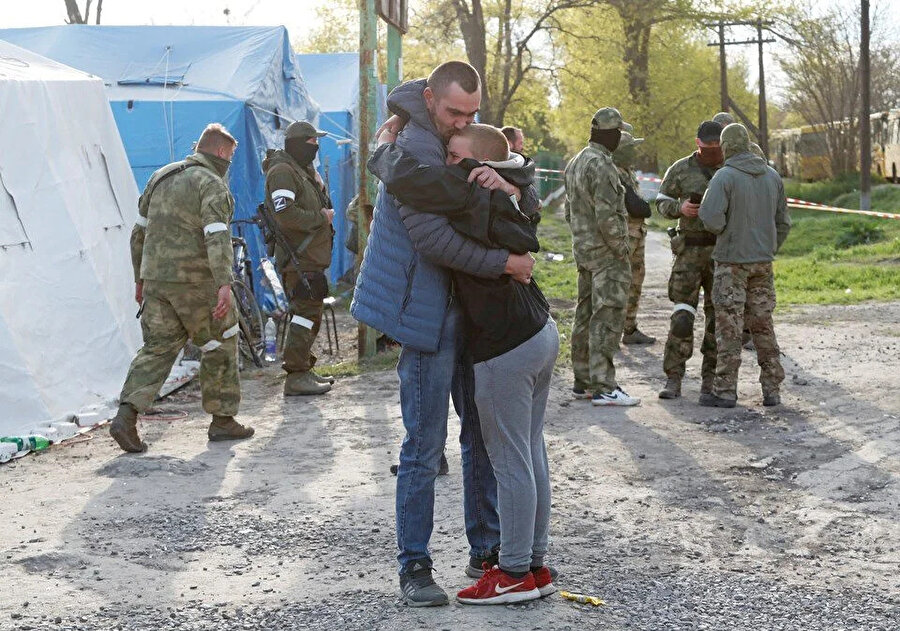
(581, 598)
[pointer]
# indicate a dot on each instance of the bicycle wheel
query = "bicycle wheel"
(252, 329)
(246, 348)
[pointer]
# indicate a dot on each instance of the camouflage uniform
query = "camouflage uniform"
(595, 211)
(691, 270)
(181, 250)
(295, 198)
(746, 206)
(744, 296)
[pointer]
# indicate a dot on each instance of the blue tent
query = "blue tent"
(333, 81)
(166, 83)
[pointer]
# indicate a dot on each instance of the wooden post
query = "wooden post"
(865, 123)
(368, 43)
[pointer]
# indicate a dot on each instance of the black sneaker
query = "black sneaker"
(712, 401)
(476, 564)
(419, 589)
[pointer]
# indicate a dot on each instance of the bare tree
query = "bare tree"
(74, 12)
(502, 41)
(823, 76)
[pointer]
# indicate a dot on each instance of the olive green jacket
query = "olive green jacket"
(745, 205)
(296, 200)
(182, 234)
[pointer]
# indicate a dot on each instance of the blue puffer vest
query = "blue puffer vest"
(397, 291)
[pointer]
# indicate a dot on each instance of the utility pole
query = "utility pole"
(762, 131)
(723, 68)
(865, 130)
(763, 109)
(394, 57)
(368, 43)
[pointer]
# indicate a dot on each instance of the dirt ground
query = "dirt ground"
(677, 516)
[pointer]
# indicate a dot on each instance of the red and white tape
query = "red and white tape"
(792, 202)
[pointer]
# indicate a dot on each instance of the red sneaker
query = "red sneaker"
(543, 580)
(496, 587)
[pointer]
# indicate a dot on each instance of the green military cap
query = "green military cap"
(303, 129)
(608, 118)
(628, 140)
(723, 118)
(735, 140)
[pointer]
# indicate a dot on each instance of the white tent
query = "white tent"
(68, 201)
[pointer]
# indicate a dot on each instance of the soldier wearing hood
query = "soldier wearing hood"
(296, 198)
(745, 206)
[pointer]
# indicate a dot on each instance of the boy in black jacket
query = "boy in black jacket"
(511, 336)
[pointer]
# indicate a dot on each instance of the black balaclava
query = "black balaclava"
(609, 138)
(301, 151)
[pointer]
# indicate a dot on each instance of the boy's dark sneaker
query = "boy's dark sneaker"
(772, 398)
(496, 587)
(543, 579)
(580, 393)
(475, 568)
(419, 589)
(712, 401)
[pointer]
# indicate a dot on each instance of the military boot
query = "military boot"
(226, 428)
(713, 401)
(322, 378)
(672, 389)
(303, 384)
(637, 337)
(771, 398)
(124, 429)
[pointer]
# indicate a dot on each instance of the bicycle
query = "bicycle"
(250, 319)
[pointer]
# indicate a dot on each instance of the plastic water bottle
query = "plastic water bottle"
(7, 451)
(270, 332)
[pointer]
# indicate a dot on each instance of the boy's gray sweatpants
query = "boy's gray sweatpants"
(511, 394)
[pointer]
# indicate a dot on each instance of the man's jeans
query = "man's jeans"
(426, 382)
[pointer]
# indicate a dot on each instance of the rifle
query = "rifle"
(269, 226)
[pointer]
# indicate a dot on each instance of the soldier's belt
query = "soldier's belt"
(699, 239)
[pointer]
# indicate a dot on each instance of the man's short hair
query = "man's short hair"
(214, 137)
(459, 72)
(510, 132)
(487, 142)
(709, 131)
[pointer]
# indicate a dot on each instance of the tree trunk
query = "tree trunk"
(73, 12)
(471, 26)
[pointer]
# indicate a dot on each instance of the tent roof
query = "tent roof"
(19, 64)
(166, 62)
(332, 79)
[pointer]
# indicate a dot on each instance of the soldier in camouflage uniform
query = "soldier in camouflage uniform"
(745, 205)
(679, 198)
(595, 211)
(624, 157)
(182, 258)
(296, 198)
(724, 118)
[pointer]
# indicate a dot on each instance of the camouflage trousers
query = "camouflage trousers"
(305, 322)
(598, 325)
(637, 234)
(745, 291)
(692, 269)
(174, 312)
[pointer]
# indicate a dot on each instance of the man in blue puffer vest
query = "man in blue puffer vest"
(404, 290)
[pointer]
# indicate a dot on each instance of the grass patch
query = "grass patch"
(558, 279)
(354, 368)
(826, 191)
